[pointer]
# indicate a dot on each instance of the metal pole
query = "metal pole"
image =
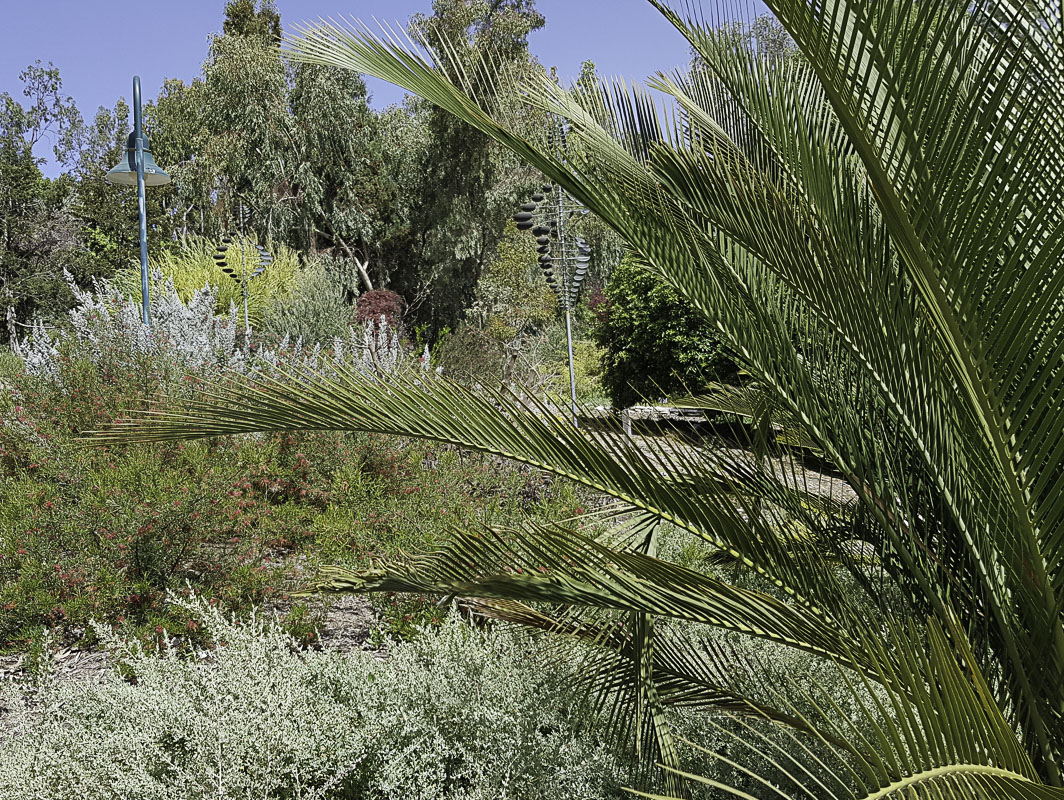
(572, 374)
(244, 285)
(564, 275)
(244, 282)
(138, 136)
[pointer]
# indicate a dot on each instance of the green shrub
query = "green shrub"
(511, 296)
(456, 713)
(502, 338)
(656, 343)
(469, 356)
(314, 310)
(192, 267)
(587, 368)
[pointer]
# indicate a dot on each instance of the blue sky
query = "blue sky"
(98, 46)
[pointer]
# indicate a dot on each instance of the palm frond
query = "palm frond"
(692, 488)
(928, 728)
(544, 564)
(875, 229)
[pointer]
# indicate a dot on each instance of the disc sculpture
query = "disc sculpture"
(563, 257)
(248, 249)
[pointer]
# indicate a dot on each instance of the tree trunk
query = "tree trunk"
(361, 267)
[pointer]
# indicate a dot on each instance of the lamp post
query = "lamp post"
(139, 168)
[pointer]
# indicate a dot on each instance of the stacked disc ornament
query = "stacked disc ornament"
(254, 260)
(563, 257)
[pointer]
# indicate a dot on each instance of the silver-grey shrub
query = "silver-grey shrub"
(454, 714)
(314, 310)
(106, 329)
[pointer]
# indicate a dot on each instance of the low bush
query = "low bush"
(191, 268)
(587, 369)
(470, 357)
(656, 344)
(315, 310)
(106, 341)
(105, 330)
(455, 713)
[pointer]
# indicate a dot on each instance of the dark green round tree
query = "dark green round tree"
(656, 344)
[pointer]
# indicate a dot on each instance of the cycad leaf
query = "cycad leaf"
(692, 488)
(545, 564)
(927, 728)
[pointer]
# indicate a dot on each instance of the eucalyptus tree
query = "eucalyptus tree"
(177, 122)
(224, 136)
(252, 139)
(249, 18)
(250, 130)
(347, 196)
(459, 213)
(45, 116)
(881, 248)
(36, 230)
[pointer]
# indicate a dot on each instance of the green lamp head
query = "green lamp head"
(125, 173)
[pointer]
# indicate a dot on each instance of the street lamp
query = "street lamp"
(138, 167)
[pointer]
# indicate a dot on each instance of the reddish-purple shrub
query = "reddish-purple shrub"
(371, 305)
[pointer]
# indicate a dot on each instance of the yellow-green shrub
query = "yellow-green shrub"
(587, 369)
(192, 267)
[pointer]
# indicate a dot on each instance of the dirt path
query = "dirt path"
(347, 627)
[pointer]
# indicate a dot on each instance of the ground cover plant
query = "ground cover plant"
(873, 227)
(458, 713)
(104, 534)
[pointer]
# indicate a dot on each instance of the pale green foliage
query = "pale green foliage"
(506, 330)
(106, 329)
(512, 297)
(246, 114)
(454, 714)
(314, 310)
(192, 268)
(587, 369)
(508, 326)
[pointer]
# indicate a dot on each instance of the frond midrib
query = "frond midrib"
(947, 771)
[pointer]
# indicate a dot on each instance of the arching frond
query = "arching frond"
(874, 226)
